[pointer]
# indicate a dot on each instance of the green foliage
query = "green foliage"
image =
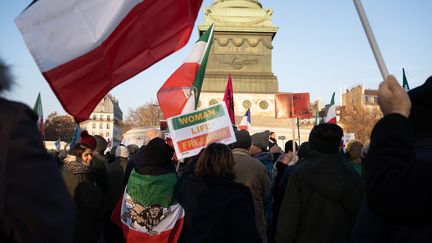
(59, 126)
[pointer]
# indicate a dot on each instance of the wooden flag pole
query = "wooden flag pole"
(376, 51)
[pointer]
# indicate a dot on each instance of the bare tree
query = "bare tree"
(148, 114)
(59, 126)
(359, 121)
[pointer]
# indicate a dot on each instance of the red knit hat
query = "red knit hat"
(88, 139)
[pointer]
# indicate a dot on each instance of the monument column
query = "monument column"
(242, 46)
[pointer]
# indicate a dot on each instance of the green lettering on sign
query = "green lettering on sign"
(198, 117)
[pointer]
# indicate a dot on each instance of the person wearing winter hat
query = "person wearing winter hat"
(149, 193)
(398, 166)
(122, 152)
(88, 139)
(136, 161)
(115, 173)
(99, 159)
(253, 174)
(133, 148)
(325, 186)
(259, 151)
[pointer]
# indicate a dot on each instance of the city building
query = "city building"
(105, 120)
(360, 98)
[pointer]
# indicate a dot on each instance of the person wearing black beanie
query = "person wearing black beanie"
(148, 204)
(325, 186)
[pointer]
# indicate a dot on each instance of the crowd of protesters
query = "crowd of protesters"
(248, 191)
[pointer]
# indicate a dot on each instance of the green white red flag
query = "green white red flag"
(331, 112)
(147, 211)
(88, 47)
(180, 92)
(37, 108)
(405, 84)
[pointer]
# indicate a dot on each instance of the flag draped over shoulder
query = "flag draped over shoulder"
(331, 113)
(245, 123)
(37, 108)
(85, 48)
(180, 92)
(147, 212)
(405, 84)
(229, 99)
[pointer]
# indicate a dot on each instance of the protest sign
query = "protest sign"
(292, 105)
(193, 131)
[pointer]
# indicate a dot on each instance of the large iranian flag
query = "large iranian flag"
(180, 92)
(331, 112)
(85, 48)
(147, 211)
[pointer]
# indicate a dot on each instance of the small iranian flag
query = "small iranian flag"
(147, 211)
(405, 84)
(331, 113)
(180, 93)
(37, 108)
(245, 123)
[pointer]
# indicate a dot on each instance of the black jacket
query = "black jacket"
(398, 184)
(216, 210)
(34, 202)
(321, 201)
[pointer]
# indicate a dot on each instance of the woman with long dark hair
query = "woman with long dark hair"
(217, 208)
(87, 188)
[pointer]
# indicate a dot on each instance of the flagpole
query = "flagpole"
(298, 130)
(375, 49)
(293, 125)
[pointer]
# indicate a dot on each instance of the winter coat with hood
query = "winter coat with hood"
(321, 201)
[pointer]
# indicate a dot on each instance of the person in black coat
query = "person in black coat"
(399, 163)
(323, 195)
(217, 209)
(34, 202)
(87, 187)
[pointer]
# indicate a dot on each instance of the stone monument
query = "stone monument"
(242, 46)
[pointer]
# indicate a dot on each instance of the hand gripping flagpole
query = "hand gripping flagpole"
(376, 51)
